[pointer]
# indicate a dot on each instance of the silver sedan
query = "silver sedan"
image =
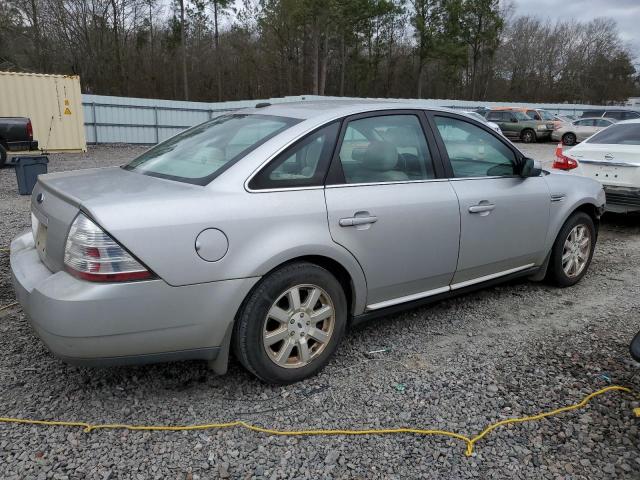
(579, 130)
(269, 231)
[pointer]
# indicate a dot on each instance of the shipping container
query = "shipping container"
(52, 102)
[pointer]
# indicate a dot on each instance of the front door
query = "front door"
(503, 217)
(391, 211)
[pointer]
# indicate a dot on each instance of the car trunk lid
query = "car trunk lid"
(57, 198)
(617, 165)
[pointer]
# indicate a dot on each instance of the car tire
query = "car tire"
(3, 155)
(573, 250)
(278, 337)
(569, 139)
(528, 136)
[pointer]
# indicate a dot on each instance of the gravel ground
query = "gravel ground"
(458, 365)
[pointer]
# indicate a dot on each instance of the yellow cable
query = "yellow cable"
(87, 427)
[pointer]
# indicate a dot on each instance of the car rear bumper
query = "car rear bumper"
(122, 323)
(622, 199)
(22, 145)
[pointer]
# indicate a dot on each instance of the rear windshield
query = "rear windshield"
(620, 134)
(201, 153)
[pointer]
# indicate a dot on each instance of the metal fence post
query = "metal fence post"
(155, 119)
(95, 123)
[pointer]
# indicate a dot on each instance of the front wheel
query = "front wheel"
(291, 324)
(573, 250)
(528, 136)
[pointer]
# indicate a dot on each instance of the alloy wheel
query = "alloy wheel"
(298, 326)
(576, 251)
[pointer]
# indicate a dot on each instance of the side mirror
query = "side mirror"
(635, 348)
(530, 168)
(514, 120)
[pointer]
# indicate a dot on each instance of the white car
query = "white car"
(480, 118)
(611, 156)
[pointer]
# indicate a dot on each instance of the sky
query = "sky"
(625, 12)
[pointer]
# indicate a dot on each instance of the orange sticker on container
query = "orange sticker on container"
(67, 111)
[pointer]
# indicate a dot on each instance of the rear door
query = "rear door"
(585, 128)
(389, 205)
(503, 217)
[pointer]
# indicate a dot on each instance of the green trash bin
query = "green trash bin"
(27, 171)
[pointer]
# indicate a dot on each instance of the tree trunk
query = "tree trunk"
(183, 41)
(420, 70)
(315, 57)
(216, 37)
(343, 63)
(323, 64)
(116, 41)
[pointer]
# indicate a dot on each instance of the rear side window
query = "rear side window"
(302, 165)
(386, 148)
(585, 123)
(620, 134)
(615, 115)
(474, 152)
(603, 123)
(199, 154)
(495, 116)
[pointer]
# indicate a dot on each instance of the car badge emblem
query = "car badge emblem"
(40, 198)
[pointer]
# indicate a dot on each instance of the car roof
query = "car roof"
(633, 120)
(309, 109)
(518, 109)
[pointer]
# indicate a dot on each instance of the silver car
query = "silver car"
(270, 230)
(579, 130)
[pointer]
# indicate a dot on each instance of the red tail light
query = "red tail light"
(563, 162)
(91, 254)
(29, 129)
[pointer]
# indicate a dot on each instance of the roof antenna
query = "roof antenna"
(263, 104)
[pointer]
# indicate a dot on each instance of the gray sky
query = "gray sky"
(625, 12)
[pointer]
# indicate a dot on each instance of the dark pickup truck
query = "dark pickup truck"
(16, 134)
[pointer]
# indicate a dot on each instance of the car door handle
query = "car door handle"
(355, 221)
(482, 207)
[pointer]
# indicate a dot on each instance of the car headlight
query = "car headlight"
(541, 127)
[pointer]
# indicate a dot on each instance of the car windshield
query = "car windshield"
(618, 134)
(199, 154)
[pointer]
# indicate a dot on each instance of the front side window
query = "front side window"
(585, 123)
(546, 115)
(533, 114)
(302, 165)
(474, 152)
(199, 154)
(520, 116)
(619, 134)
(388, 148)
